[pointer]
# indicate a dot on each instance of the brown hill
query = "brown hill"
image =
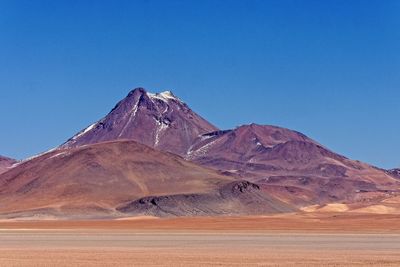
(291, 166)
(123, 178)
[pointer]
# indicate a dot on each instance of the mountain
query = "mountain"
(291, 166)
(6, 163)
(124, 178)
(152, 155)
(285, 163)
(159, 120)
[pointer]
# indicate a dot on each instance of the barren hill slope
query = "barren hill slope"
(124, 178)
(292, 166)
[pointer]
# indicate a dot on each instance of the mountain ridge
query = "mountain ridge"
(282, 168)
(6, 163)
(394, 172)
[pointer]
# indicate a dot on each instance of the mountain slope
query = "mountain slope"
(159, 120)
(120, 178)
(290, 165)
(5, 163)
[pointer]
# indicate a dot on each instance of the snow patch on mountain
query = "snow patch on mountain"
(162, 126)
(34, 157)
(131, 118)
(201, 151)
(89, 128)
(164, 96)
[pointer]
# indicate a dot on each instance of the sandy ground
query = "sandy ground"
(322, 240)
(308, 222)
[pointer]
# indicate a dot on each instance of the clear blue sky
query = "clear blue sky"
(330, 69)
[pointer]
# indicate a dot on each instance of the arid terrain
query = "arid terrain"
(154, 184)
(199, 133)
(281, 240)
(123, 179)
(151, 155)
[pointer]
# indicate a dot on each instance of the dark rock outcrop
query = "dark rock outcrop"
(235, 198)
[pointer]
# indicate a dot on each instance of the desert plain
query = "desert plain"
(313, 239)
